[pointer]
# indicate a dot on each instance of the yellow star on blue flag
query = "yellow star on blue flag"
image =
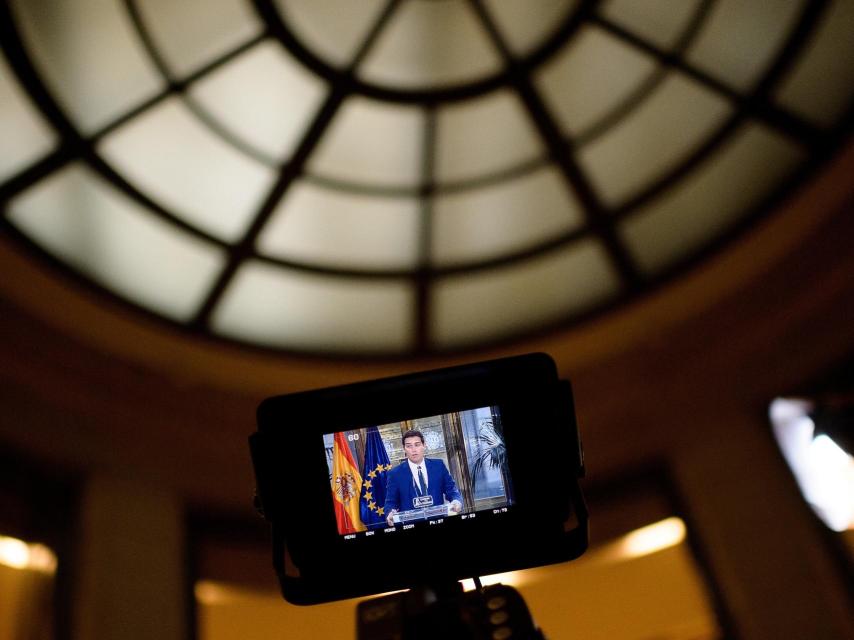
(375, 469)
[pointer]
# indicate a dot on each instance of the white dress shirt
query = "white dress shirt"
(414, 469)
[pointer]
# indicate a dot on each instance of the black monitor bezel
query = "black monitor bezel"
(288, 449)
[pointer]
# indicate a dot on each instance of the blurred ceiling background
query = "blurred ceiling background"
(205, 203)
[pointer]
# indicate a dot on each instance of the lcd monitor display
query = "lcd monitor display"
(419, 472)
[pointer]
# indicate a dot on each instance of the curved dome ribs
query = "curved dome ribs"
(601, 217)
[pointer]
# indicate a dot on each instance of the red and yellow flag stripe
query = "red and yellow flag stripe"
(346, 487)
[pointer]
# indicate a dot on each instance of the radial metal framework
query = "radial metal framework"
(602, 220)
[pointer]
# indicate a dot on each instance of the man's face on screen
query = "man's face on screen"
(414, 449)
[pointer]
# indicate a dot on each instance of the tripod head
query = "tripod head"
(496, 612)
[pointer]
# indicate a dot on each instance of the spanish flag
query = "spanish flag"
(346, 487)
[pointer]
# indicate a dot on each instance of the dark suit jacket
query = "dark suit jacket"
(400, 486)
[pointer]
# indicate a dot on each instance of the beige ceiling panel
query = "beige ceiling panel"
(69, 40)
(479, 224)
(716, 195)
(662, 22)
(484, 136)
(345, 230)
(77, 216)
(25, 135)
(372, 142)
(265, 97)
(186, 167)
(332, 29)
(593, 74)
(191, 33)
(739, 40)
(275, 307)
(494, 304)
(428, 44)
(665, 128)
(821, 84)
(524, 26)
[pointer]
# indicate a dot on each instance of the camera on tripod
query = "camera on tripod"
(420, 480)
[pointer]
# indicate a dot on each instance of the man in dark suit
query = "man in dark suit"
(419, 477)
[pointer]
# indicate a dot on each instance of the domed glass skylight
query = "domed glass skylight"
(389, 177)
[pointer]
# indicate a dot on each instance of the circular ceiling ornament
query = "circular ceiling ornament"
(406, 176)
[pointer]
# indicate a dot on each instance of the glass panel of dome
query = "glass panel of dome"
(170, 155)
(371, 142)
(483, 136)
(740, 39)
(190, 33)
(524, 29)
(25, 136)
(428, 44)
(477, 224)
(820, 85)
(89, 56)
(702, 205)
(333, 29)
(80, 218)
(593, 74)
(265, 97)
(661, 22)
(272, 306)
(501, 302)
(343, 229)
(678, 117)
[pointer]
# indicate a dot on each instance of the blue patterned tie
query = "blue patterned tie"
(421, 486)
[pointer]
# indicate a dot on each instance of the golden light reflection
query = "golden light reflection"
(211, 593)
(512, 579)
(18, 554)
(652, 538)
(603, 595)
(640, 542)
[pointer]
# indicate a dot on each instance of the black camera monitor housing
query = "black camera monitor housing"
(424, 478)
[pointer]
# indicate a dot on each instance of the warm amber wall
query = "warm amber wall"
(682, 376)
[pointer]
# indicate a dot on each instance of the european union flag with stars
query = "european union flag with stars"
(377, 466)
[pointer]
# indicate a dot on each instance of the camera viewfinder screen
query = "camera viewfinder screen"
(392, 477)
